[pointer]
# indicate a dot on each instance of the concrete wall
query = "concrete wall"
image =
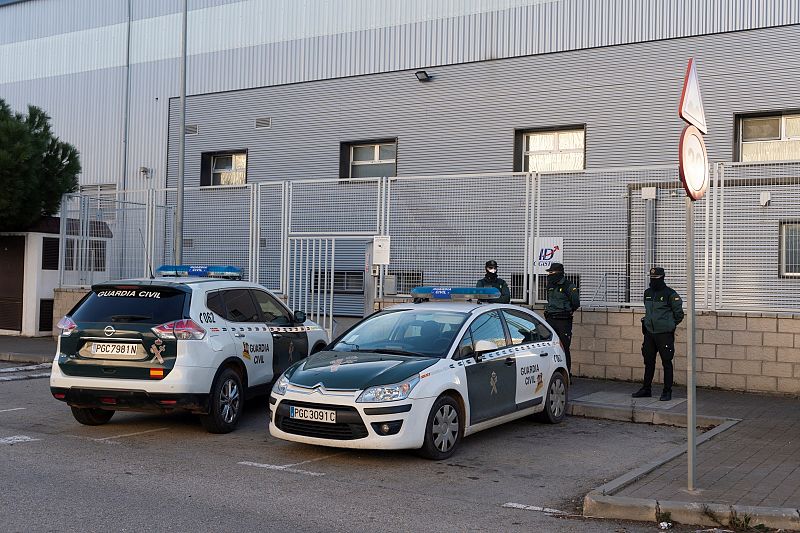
(65, 299)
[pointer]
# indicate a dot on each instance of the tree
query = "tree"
(36, 168)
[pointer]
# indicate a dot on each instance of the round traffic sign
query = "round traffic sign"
(693, 160)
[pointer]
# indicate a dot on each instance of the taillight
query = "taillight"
(66, 325)
(186, 329)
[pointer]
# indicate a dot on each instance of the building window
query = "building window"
(45, 315)
(370, 160)
(790, 249)
(94, 255)
(49, 253)
(344, 282)
(769, 138)
(552, 151)
(228, 168)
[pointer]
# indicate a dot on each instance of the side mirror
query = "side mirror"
(299, 316)
(483, 346)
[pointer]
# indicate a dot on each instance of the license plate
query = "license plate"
(313, 415)
(109, 348)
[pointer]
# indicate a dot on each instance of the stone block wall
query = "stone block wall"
(755, 352)
(63, 301)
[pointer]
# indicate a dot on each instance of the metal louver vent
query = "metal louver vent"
(263, 123)
(191, 129)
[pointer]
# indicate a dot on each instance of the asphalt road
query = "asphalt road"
(165, 473)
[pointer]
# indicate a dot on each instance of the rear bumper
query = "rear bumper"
(131, 400)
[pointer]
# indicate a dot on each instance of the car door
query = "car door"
(491, 379)
(533, 353)
(289, 339)
(251, 337)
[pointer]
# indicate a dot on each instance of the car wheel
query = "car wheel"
(92, 417)
(555, 404)
(226, 403)
(443, 429)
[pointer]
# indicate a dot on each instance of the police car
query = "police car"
(194, 339)
(424, 375)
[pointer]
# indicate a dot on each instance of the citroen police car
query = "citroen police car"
(194, 338)
(424, 375)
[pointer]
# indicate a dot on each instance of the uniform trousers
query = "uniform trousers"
(664, 344)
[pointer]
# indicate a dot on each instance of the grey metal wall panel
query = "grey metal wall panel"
(464, 120)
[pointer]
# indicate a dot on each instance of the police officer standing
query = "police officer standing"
(663, 311)
(491, 280)
(563, 299)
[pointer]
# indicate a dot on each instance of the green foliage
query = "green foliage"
(36, 168)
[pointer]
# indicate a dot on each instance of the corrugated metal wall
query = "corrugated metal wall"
(71, 62)
(464, 119)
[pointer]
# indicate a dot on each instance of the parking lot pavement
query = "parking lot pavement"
(166, 473)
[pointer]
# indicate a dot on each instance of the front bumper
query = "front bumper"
(357, 423)
(131, 400)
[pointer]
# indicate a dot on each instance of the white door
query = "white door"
(251, 336)
(533, 358)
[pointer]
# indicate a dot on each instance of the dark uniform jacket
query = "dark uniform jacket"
(499, 284)
(663, 310)
(562, 300)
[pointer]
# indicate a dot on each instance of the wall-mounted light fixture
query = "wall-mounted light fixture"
(422, 75)
(145, 172)
(765, 198)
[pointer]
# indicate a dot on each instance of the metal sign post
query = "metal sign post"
(695, 178)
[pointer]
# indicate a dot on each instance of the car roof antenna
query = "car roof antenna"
(146, 255)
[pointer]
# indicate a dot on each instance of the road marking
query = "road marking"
(285, 468)
(26, 368)
(14, 439)
(129, 434)
(536, 508)
(14, 409)
(25, 376)
(317, 459)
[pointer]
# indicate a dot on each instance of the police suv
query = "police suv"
(194, 339)
(424, 375)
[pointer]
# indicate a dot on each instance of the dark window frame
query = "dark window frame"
(781, 249)
(737, 126)
(50, 253)
(519, 143)
(206, 162)
(345, 154)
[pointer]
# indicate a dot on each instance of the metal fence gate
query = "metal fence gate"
(615, 223)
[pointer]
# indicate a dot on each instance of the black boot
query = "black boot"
(644, 392)
(666, 395)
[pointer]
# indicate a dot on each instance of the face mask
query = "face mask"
(491, 273)
(553, 278)
(657, 283)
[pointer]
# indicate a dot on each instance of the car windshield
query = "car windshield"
(405, 332)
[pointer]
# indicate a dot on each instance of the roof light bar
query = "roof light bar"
(213, 271)
(455, 293)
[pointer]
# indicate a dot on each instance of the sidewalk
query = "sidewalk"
(746, 468)
(27, 349)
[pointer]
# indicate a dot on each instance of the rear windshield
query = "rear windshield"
(155, 305)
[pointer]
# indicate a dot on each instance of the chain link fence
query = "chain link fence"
(613, 225)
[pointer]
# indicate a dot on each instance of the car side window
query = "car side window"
(544, 332)
(488, 327)
(215, 304)
(272, 311)
(240, 306)
(465, 347)
(524, 328)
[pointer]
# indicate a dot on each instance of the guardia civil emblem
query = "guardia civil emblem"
(493, 383)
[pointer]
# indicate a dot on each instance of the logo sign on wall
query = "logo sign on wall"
(549, 250)
(693, 163)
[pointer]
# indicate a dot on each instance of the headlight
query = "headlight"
(280, 385)
(389, 393)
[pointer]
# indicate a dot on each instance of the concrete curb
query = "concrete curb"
(596, 505)
(639, 415)
(601, 502)
(26, 358)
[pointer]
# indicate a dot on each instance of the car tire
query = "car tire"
(92, 417)
(225, 403)
(555, 403)
(443, 430)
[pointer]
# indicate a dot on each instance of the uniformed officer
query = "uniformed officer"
(663, 311)
(563, 299)
(491, 280)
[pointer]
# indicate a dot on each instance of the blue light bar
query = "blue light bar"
(213, 271)
(455, 293)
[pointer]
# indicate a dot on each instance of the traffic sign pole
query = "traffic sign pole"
(691, 414)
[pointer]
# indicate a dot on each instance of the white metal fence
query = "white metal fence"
(615, 224)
